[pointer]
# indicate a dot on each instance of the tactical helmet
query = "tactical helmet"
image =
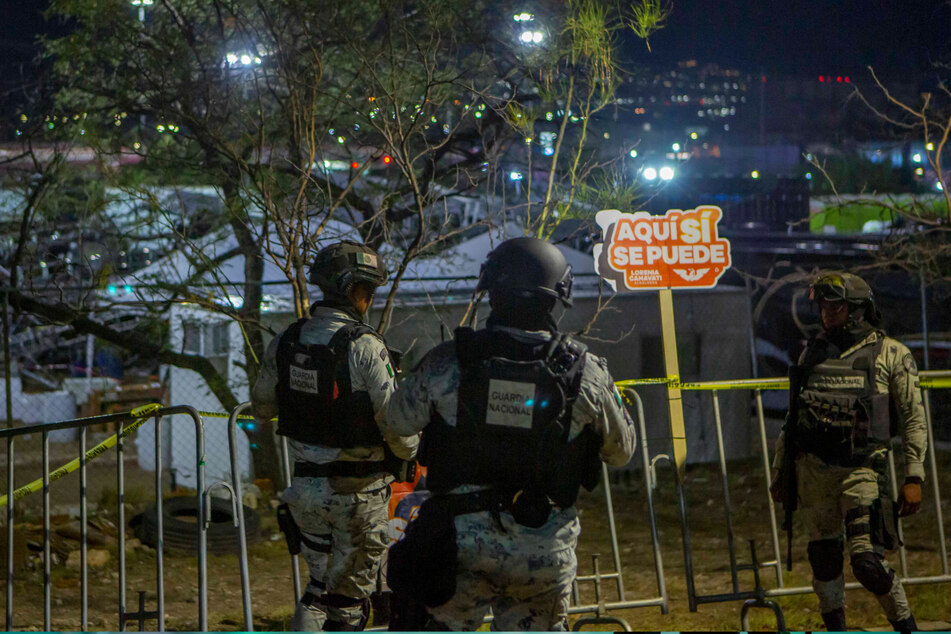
(527, 267)
(338, 267)
(841, 287)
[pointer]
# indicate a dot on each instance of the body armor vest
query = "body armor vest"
(841, 417)
(315, 402)
(513, 420)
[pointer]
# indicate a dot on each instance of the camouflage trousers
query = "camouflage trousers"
(523, 574)
(833, 500)
(343, 542)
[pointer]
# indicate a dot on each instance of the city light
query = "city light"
(939, 186)
(930, 147)
(532, 37)
(808, 176)
(515, 176)
(694, 135)
(523, 17)
(675, 147)
(666, 173)
(650, 173)
(916, 157)
(633, 153)
(754, 174)
(387, 160)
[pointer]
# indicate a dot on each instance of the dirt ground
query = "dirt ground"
(271, 587)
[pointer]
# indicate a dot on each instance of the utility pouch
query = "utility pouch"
(285, 521)
(422, 566)
(880, 421)
(883, 518)
(530, 508)
(402, 470)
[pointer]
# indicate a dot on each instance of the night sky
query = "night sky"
(809, 36)
(898, 37)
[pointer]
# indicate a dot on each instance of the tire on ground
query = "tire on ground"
(180, 526)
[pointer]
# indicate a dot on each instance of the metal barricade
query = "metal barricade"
(137, 417)
(239, 513)
(601, 609)
(929, 380)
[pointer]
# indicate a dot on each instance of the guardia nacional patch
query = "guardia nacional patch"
(510, 403)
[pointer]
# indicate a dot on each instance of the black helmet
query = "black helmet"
(841, 287)
(527, 267)
(338, 267)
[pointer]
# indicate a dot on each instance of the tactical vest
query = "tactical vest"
(315, 402)
(513, 420)
(841, 417)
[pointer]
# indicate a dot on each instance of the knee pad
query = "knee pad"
(341, 601)
(869, 571)
(826, 558)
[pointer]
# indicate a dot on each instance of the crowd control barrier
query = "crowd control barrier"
(929, 380)
(601, 609)
(125, 424)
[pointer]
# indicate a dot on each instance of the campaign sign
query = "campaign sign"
(680, 249)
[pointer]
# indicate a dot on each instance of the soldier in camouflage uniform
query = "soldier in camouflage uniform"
(328, 379)
(859, 389)
(514, 418)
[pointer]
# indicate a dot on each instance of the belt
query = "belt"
(340, 468)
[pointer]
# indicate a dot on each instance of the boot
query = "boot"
(905, 625)
(835, 620)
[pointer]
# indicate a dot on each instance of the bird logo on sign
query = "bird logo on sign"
(691, 275)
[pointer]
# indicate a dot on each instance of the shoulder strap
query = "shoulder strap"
(292, 334)
(347, 333)
(467, 348)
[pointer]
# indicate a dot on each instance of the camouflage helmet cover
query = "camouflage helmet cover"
(841, 287)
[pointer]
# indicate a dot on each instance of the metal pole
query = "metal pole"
(935, 483)
(159, 529)
(295, 565)
(612, 529)
(8, 387)
(727, 508)
(84, 534)
(10, 502)
(892, 478)
(924, 323)
(47, 618)
(120, 486)
(774, 528)
(242, 538)
(646, 466)
(202, 525)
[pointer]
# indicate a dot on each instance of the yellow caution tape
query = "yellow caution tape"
(141, 414)
(224, 415)
(936, 382)
(778, 383)
(741, 384)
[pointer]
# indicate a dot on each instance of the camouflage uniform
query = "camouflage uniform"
(523, 574)
(833, 497)
(343, 518)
